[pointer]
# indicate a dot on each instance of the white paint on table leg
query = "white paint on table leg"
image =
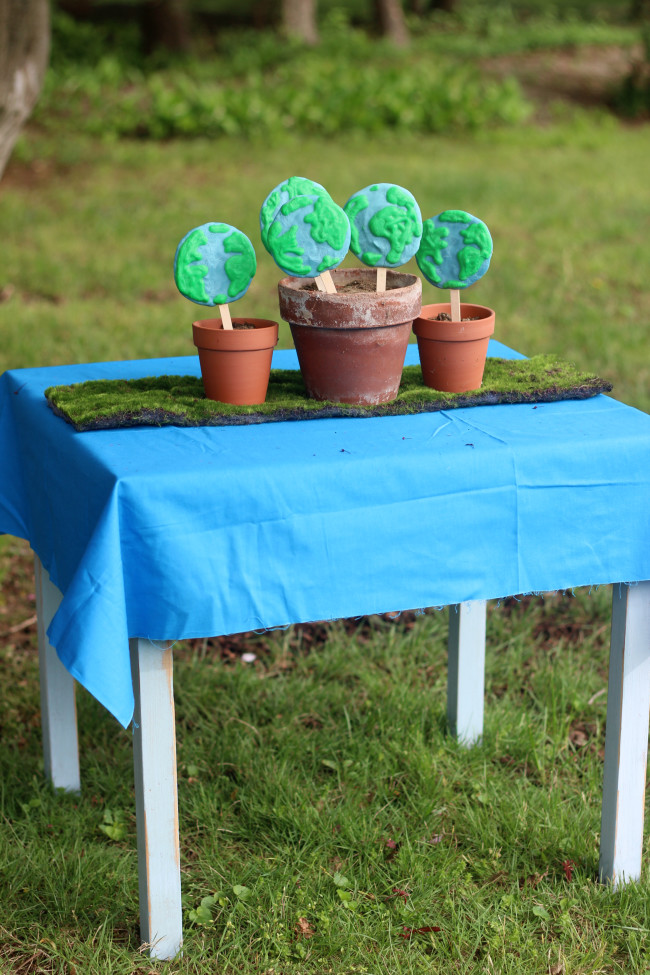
(626, 741)
(156, 799)
(466, 674)
(58, 706)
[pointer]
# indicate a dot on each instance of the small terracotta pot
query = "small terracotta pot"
(452, 354)
(351, 345)
(235, 363)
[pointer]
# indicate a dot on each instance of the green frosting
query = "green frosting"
(297, 203)
(431, 247)
(469, 261)
(267, 213)
(453, 216)
(371, 258)
(190, 275)
(477, 234)
(241, 267)
(285, 251)
(396, 225)
(327, 262)
(294, 187)
(329, 224)
(218, 228)
(353, 207)
(301, 186)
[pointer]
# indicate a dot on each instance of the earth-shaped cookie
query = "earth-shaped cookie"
(455, 251)
(284, 192)
(303, 229)
(214, 264)
(386, 225)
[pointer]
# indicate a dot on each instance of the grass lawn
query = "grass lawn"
(324, 812)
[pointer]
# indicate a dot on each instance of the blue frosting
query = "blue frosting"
(386, 225)
(455, 251)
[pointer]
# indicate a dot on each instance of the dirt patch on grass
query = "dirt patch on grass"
(587, 76)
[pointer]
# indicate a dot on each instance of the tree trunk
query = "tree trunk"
(166, 24)
(24, 50)
(391, 21)
(299, 20)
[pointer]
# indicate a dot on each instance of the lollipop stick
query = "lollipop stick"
(226, 320)
(455, 305)
(381, 279)
(325, 283)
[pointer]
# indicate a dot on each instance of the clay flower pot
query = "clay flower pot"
(235, 363)
(452, 354)
(351, 345)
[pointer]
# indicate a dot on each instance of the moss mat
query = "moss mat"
(179, 400)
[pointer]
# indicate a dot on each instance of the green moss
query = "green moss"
(180, 400)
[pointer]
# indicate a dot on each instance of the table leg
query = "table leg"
(156, 799)
(626, 741)
(466, 674)
(58, 707)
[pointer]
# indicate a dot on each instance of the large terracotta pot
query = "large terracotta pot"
(235, 363)
(351, 345)
(452, 354)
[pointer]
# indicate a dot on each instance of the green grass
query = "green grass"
(180, 400)
(318, 782)
(325, 812)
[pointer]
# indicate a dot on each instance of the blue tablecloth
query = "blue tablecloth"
(171, 533)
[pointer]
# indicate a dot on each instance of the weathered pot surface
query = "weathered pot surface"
(351, 345)
(302, 304)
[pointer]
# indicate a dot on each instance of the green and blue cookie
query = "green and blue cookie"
(305, 233)
(386, 225)
(283, 193)
(214, 264)
(455, 251)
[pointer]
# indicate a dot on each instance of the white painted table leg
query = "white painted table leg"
(466, 675)
(626, 741)
(58, 707)
(156, 800)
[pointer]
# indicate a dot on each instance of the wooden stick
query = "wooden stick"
(454, 295)
(226, 320)
(325, 279)
(381, 279)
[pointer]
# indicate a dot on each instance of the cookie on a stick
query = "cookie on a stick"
(306, 233)
(386, 227)
(214, 265)
(455, 252)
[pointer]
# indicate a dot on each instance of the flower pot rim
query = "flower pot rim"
(346, 310)
(209, 333)
(298, 284)
(427, 328)
(216, 324)
(438, 306)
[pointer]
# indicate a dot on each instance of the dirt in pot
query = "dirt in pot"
(243, 325)
(446, 317)
(352, 287)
